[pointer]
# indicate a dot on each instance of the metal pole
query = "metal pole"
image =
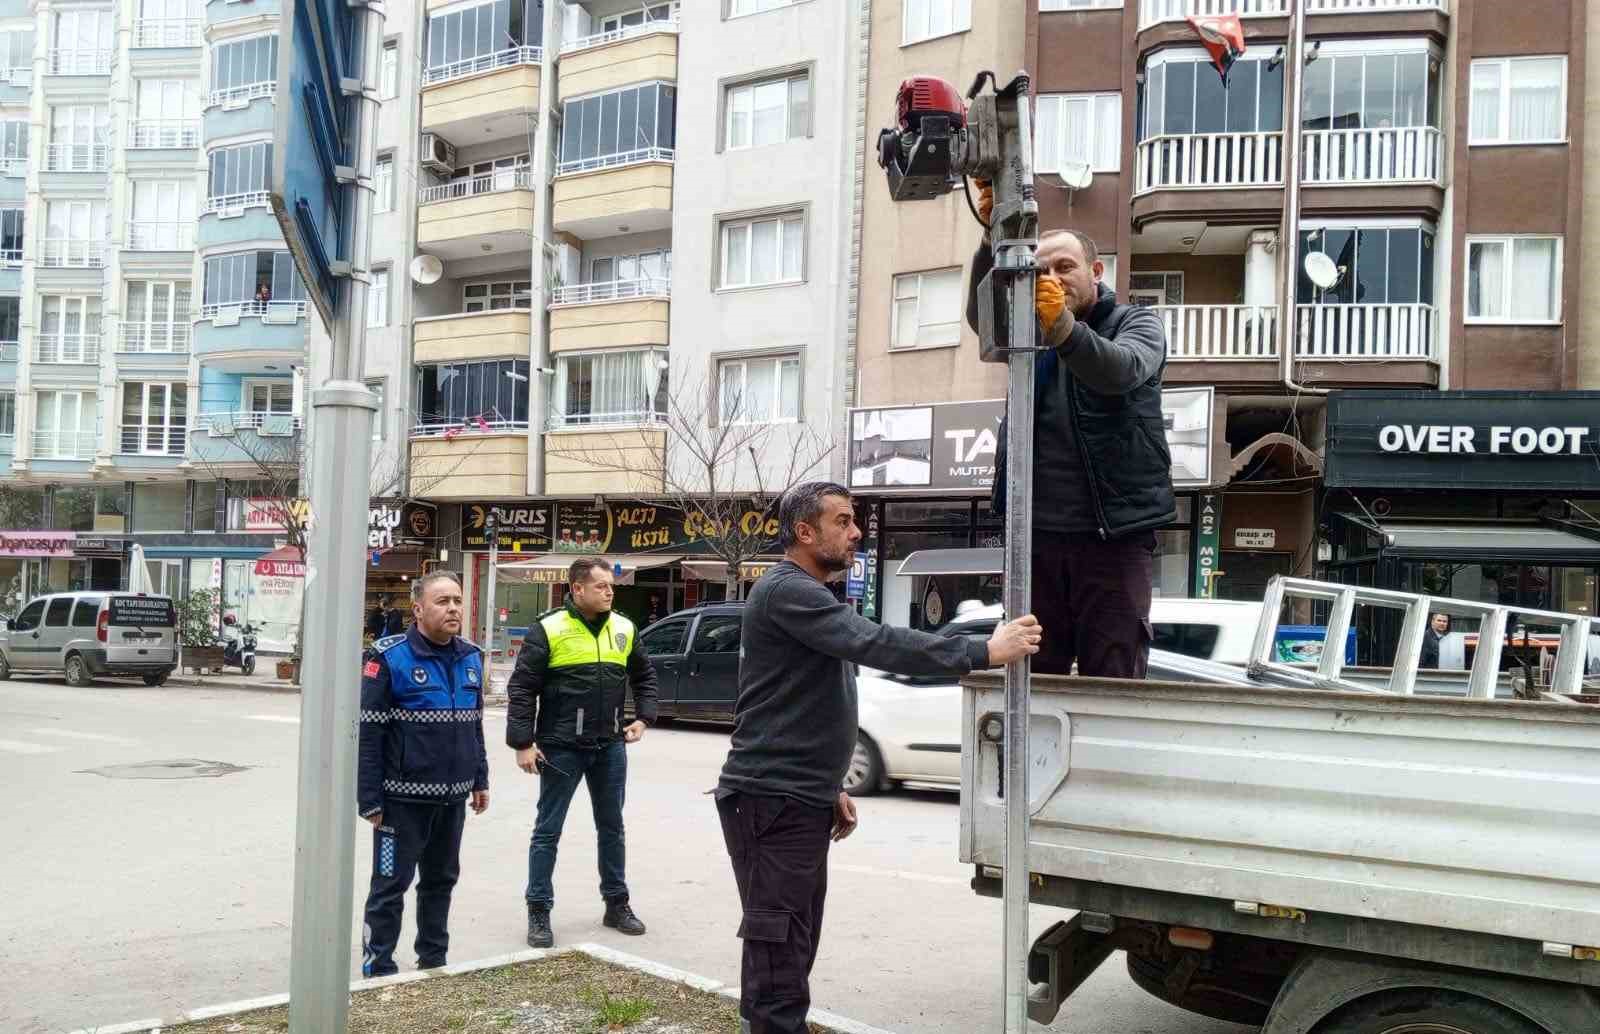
(330, 698)
(494, 566)
(1289, 238)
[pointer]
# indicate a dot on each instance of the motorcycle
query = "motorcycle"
(239, 649)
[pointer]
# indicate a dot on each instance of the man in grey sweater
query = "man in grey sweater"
(780, 797)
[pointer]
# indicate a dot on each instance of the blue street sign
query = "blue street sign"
(855, 584)
(377, 558)
(312, 153)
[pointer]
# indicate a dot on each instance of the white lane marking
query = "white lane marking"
(900, 874)
(286, 719)
(18, 747)
(73, 734)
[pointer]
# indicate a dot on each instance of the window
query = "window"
(1078, 128)
(155, 418)
(239, 176)
(163, 215)
(496, 294)
(645, 265)
(13, 146)
(759, 391)
(927, 309)
(30, 617)
(611, 388)
(1079, 5)
(11, 239)
(1379, 265)
(1519, 100)
(768, 250)
(740, 8)
(83, 41)
(263, 396)
(16, 51)
(159, 99)
(378, 418)
(8, 413)
(389, 71)
(1358, 86)
(156, 316)
(769, 112)
(241, 65)
(161, 507)
(69, 328)
(87, 612)
(928, 19)
(507, 173)
(79, 137)
(1513, 279)
(60, 610)
(75, 232)
(639, 17)
(378, 299)
(245, 277)
(718, 633)
(383, 184)
(665, 639)
(1155, 288)
(468, 36)
(637, 123)
(459, 394)
(64, 425)
(1182, 94)
(205, 505)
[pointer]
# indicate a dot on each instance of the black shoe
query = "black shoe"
(620, 917)
(539, 933)
(423, 966)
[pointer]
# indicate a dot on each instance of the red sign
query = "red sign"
(283, 562)
(37, 543)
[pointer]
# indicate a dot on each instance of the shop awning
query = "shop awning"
(551, 569)
(953, 561)
(1529, 543)
(717, 570)
(283, 562)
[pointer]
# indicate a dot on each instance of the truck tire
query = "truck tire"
(1228, 995)
(864, 777)
(1425, 1010)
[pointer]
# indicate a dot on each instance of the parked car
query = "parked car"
(85, 634)
(696, 656)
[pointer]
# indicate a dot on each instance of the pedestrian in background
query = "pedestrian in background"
(394, 622)
(421, 758)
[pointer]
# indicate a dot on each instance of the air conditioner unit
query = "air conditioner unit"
(438, 154)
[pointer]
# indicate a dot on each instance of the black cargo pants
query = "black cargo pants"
(1092, 597)
(779, 849)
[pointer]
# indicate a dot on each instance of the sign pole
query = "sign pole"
(330, 703)
(493, 531)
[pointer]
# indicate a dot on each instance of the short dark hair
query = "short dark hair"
(578, 573)
(419, 588)
(803, 503)
(1091, 254)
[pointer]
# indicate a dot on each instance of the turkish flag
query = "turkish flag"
(1223, 37)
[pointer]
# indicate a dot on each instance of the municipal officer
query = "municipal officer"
(422, 755)
(564, 720)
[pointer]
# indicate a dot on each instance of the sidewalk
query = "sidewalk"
(263, 681)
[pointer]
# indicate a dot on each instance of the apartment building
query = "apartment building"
(1440, 170)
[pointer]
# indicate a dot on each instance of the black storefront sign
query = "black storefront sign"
(948, 447)
(622, 527)
(1465, 440)
(522, 527)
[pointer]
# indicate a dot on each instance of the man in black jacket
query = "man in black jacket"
(564, 720)
(1102, 472)
(781, 797)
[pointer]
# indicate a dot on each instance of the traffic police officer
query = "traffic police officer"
(564, 719)
(422, 755)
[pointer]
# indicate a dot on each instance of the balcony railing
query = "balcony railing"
(1206, 333)
(605, 421)
(13, 166)
(154, 441)
(167, 32)
(17, 75)
(1153, 12)
(10, 351)
(600, 39)
(436, 74)
(464, 429)
(225, 314)
(267, 425)
(612, 161)
(1209, 161)
(520, 178)
(162, 236)
(64, 445)
(77, 157)
(80, 62)
(1369, 6)
(74, 349)
(10, 257)
(241, 96)
(1357, 156)
(164, 134)
(227, 206)
(155, 338)
(72, 254)
(1366, 332)
(612, 291)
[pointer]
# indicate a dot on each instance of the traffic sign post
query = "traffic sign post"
(325, 149)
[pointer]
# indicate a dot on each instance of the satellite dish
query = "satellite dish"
(1321, 269)
(426, 269)
(1077, 175)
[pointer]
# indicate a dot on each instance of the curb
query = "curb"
(842, 1024)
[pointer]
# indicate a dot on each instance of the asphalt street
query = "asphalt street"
(133, 892)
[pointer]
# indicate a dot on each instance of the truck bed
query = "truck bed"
(1468, 815)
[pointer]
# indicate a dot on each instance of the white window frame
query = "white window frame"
(1093, 100)
(561, 417)
(8, 413)
(960, 20)
(731, 7)
(1505, 64)
(746, 88)
(378, 298)
(144, 425)
(895, 299)
(247, 392)
(509, 291)
(383, 185)
(378, 418)
(1046, 6)
(389, 71)
(1508, 241)
(167, 333)
(748, 224)
(1168, 277)
(789, 360)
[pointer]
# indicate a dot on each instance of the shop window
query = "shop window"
(956, 513)
(160, 507)
(21, 508)
(72, 509)
(205, 506)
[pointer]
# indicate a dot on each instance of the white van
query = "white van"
(85, 634)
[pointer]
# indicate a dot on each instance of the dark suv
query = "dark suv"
(696, 656)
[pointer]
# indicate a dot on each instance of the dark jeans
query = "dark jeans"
(412, 835)
(1092, 597)
(606, 770)
(779, 849)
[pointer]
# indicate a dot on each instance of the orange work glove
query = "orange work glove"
(1049, 300)
(985, 200)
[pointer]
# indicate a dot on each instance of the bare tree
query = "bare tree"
(722, 466)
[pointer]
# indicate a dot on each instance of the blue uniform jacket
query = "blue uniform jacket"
(421, 722)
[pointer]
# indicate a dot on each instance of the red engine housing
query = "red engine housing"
(929, 95)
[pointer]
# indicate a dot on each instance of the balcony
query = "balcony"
(13, 167)
(615, 314)
(1220, 333)
(72, 254)
(1374, 6)
(153, 441)
(164, 134)
(229, 206)
(264, 424)
(1209, 161)
(77, 157)
(79, 62)
(606, 60)
(154, 338)
(67, 349)
(584, 462)
(10, 258)
(64, 445)
(236, 97)
(162, 33)
(469, 466)
(10, 351)
(1372, 157)
(472, 335)
(598, 197)
(470, 217)
(483, 98)
(1154, 12)
(1366, 333)
(228, 314)
(161, 236)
